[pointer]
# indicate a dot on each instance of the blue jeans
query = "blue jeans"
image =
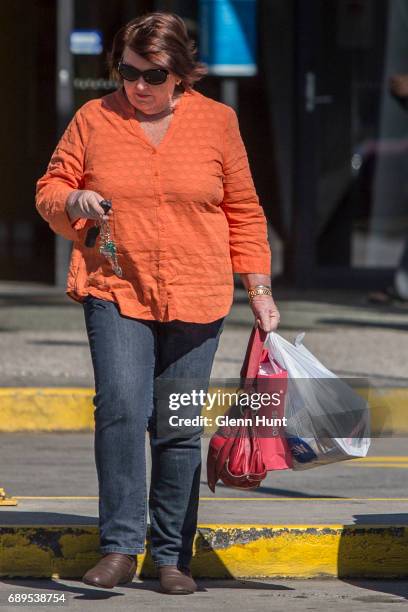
(401, 274)
(131, 358)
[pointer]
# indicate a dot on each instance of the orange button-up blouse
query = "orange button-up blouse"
(185, 213)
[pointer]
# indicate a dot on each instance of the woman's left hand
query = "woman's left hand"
(266, 312)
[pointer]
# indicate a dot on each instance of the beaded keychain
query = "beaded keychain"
(107, 247)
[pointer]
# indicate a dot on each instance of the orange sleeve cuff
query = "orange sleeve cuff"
(79, 223)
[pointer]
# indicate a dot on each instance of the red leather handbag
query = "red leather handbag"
(236, 454)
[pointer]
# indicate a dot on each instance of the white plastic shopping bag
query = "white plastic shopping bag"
(327, 421)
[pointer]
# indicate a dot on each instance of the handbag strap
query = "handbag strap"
(253, 353)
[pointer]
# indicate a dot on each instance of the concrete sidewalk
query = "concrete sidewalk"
(221, 595)
(348, 519)
(43, 336)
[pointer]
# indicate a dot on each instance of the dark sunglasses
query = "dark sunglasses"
(153, 76)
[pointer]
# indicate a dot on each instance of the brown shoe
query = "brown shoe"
(112, 569)
(174, 581)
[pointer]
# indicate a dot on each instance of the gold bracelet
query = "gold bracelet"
(258, 290)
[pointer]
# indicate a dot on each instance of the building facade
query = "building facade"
(323, 119)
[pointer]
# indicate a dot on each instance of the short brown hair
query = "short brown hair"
(161, 38)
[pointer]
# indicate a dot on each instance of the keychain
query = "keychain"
(107, 247)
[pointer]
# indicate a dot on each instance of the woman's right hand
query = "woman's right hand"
(85, 203)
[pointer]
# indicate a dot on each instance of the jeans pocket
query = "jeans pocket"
(93, 302)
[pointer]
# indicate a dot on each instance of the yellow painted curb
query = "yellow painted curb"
(71, 409)
(46, 409)
(389, 410)
(222, 551)
(6, 500)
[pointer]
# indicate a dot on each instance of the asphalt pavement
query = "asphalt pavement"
(53, 477)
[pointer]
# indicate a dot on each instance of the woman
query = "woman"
(184, 217)
(398, 290)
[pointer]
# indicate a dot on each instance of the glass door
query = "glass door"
(351, 150)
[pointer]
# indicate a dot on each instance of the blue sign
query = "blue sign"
(228, 36)
(86, 42)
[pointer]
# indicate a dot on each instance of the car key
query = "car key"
(106, 205)
(93, 231)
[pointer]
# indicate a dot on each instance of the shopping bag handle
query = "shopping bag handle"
(253, 354)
